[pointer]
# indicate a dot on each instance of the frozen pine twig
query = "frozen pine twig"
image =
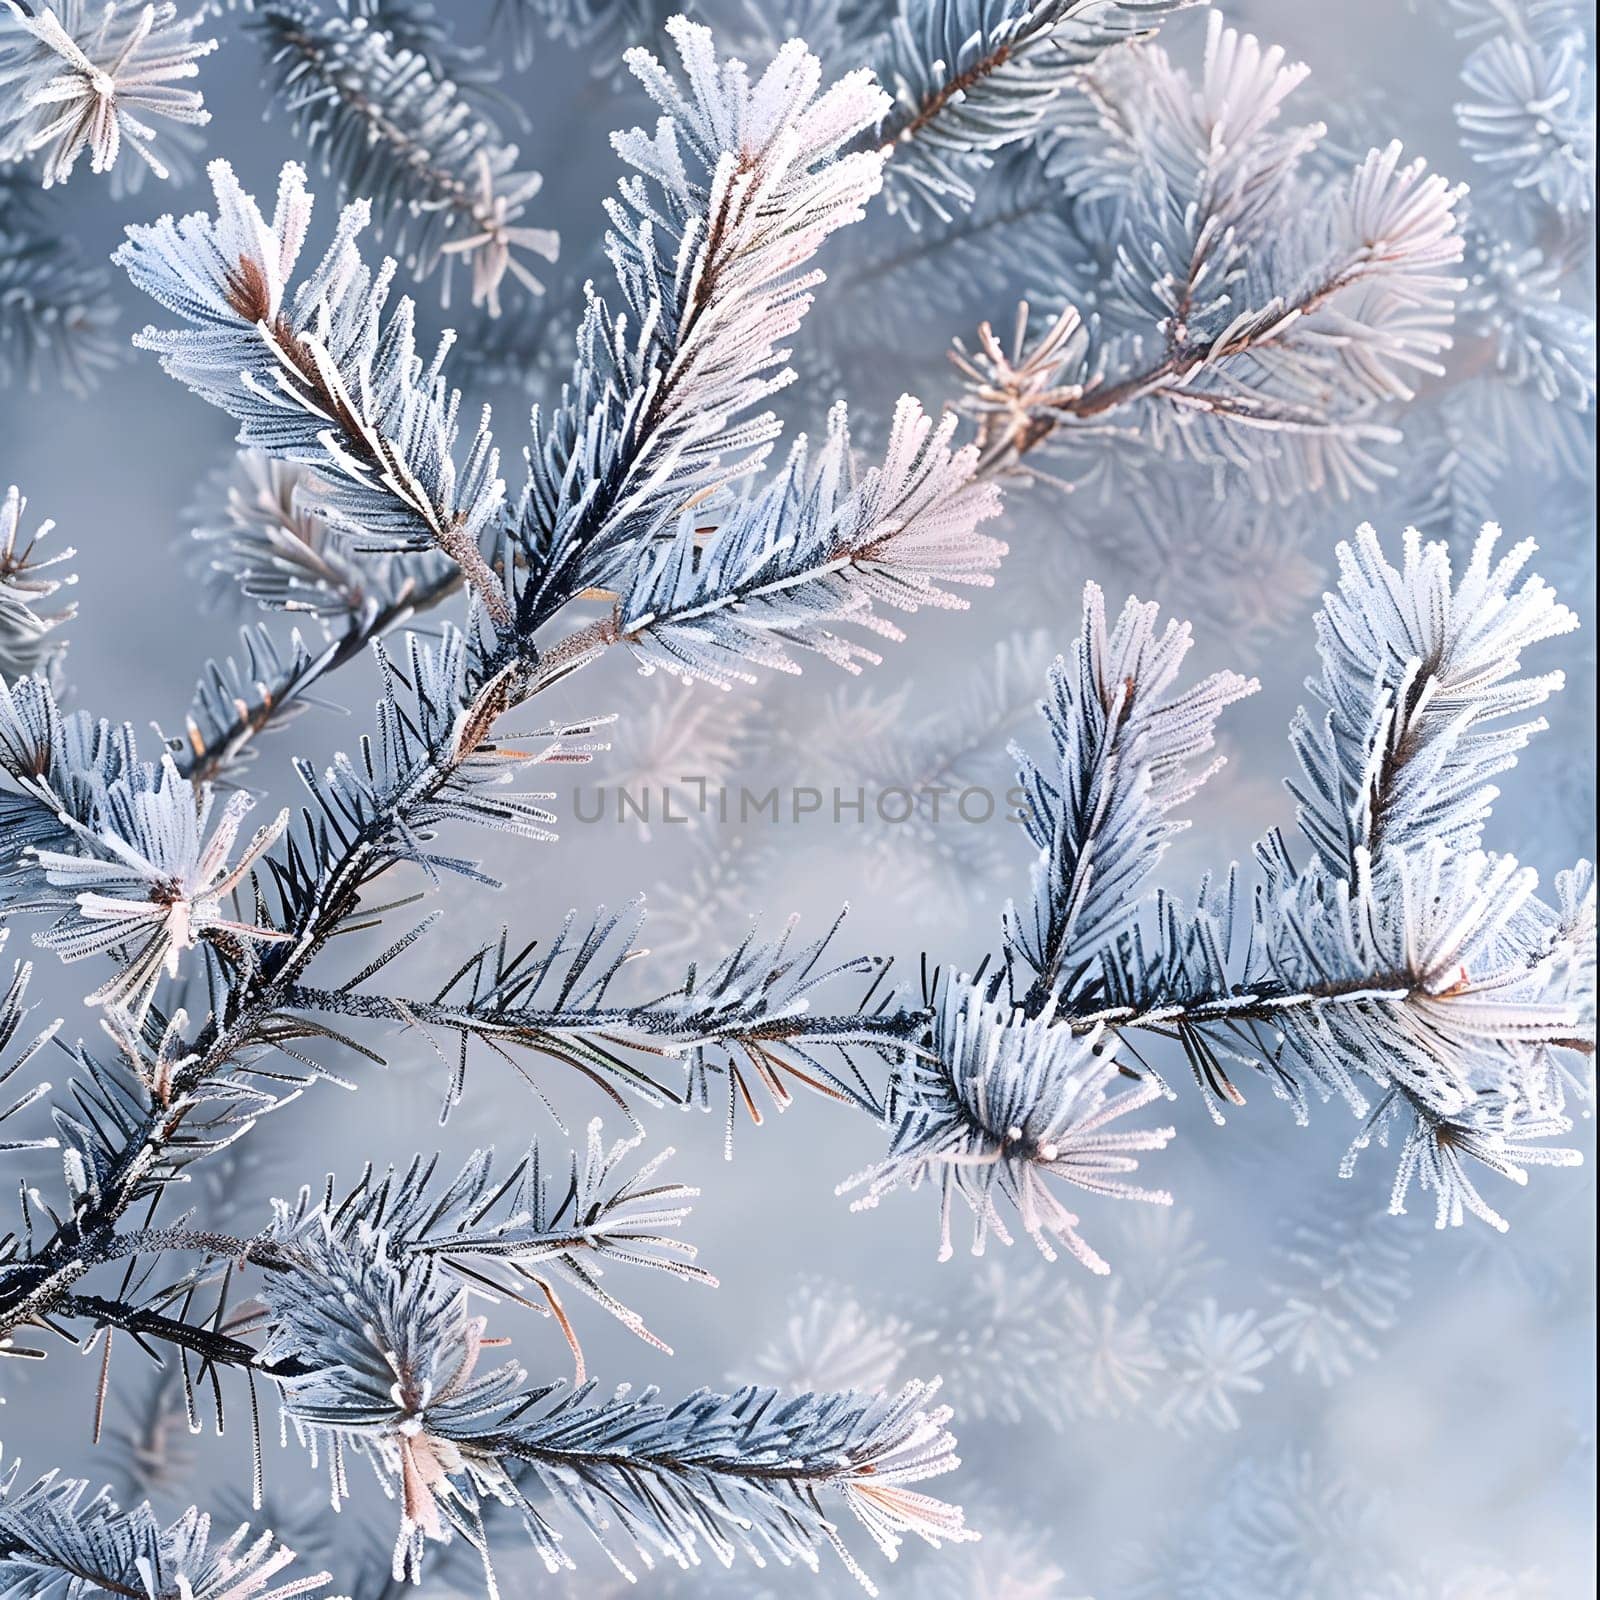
(365, 1326)
(971, 77)
(321, 371)
(29, 579)
(759, 589)
(439, 176)
(713, 269)
(1256, 318)
(58, 1538)
(712, 1476)
(1401, 968)
(77, 77)
(56, 313)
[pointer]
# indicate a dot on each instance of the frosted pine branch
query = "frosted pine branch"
(366, 1327)
(1255, 319)
(58, 1539)
(239, 697)
(56, 313)
(749, 1472)
(520, 1233)
(1419, 674)
(1415, 961)
(317, 372)
(735, 191)
(439, 176)
(1402, 970)
(29, 579)
(817, 546)
(80, 77)
(1124, 747)
(742, 1026)
(1519, 383)
(970, 77)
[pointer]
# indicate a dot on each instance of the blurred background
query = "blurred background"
(1282, 1393)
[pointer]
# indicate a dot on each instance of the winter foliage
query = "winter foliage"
(395, 129)
(1236, 284)
(57, 1539)
(82, 79)
(1529, 116)
(55, 312)
(319, 373)
(1400, 968)
(30, 640)
(368, 1319)
(1232, 324)
(971, 77)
